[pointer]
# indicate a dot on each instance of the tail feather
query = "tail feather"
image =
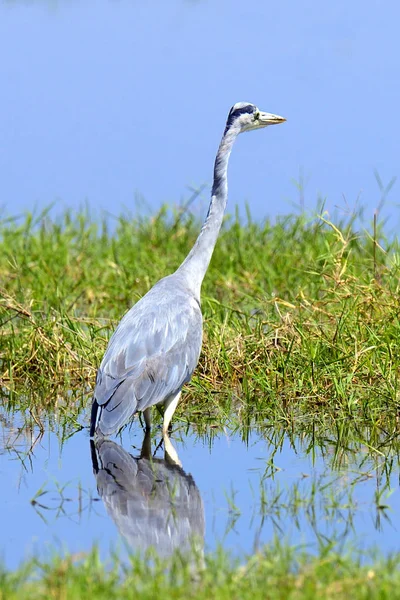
(114, 413)
(93, 417)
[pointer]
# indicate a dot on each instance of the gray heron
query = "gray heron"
(156, 345)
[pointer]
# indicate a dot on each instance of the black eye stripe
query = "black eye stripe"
(236, 112)
(249, 108)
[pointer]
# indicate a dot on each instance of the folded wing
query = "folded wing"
(151, 355)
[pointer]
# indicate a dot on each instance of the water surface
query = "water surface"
(228, 491)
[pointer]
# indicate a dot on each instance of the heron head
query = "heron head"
(247, 117)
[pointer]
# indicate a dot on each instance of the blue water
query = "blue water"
(230, 492)
(106, 101)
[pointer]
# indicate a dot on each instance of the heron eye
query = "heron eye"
(256, 115)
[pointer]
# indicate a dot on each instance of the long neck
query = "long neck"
(195, 265)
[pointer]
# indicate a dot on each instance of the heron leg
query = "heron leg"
(147, 418)
(146, 446)
(169, 408)
(171, 455)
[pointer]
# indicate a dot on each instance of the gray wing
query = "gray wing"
(151, 355)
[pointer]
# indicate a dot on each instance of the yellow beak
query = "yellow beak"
(270, 119)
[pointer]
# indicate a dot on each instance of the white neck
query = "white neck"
(195, 265)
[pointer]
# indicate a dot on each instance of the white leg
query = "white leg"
(147, 418)
(169, 409)
(170, 453)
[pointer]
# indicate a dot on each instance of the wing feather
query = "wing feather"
(151, 355)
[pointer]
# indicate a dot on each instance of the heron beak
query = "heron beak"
(269, 119)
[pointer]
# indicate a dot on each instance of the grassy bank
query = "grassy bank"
(278, 572)
(301, 317)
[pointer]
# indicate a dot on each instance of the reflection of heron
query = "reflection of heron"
(152, 501)
(156, 345)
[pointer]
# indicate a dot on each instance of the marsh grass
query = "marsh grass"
(301, 318)
(278, 572)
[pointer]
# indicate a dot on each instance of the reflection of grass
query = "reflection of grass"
(301, 321)
(315, 507)
(67, 500)
(278, 572)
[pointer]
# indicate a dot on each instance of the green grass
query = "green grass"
(278, 572)
(301, 317)
(301, 338)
